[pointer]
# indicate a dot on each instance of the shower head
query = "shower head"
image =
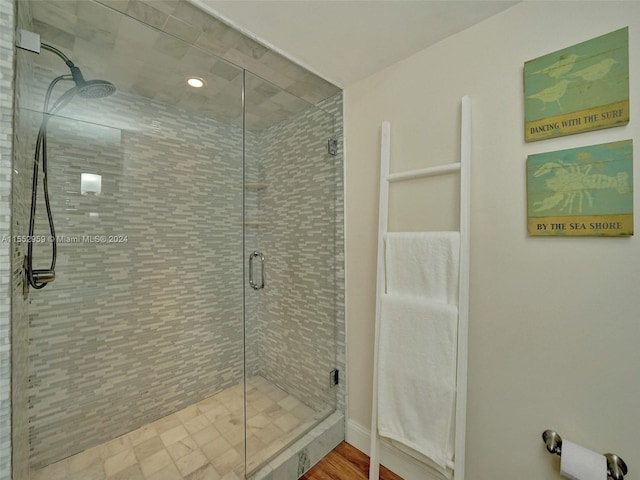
(84, 88)
(91, 88)
(95, 89)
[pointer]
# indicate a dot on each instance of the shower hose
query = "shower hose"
(40, 158)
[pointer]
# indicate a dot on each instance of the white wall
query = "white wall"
(554, 323)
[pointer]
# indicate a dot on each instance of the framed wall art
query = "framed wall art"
(581, 191)
(578, 89)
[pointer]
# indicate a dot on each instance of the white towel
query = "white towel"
(416, 374)
(424, 264)
(435, 471)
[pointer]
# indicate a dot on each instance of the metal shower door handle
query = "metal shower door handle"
(253, 284)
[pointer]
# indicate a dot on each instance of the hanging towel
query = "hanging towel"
(424, 264)
(416, 374)
(435, 471)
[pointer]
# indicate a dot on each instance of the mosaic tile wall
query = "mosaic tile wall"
(6, 134)
(309, 141)
(133, 330)
(297, 309)
(305, 141)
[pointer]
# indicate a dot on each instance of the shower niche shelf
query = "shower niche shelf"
(256, 187)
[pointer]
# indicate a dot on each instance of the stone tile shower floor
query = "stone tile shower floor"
(204, 441)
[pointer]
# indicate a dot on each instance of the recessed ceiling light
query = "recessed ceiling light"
(196, 82)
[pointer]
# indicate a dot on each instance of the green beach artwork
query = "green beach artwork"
(580, 88)
(581, 191)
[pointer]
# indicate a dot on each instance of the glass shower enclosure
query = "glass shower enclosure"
(290, 296)
(192, 318)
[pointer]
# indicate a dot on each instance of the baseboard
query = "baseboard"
(398, 462)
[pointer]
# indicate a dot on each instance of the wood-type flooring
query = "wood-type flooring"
(345, 462)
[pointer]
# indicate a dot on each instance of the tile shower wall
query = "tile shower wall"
(133, 330)
(6, 142)
(296, 322)
(260, 338)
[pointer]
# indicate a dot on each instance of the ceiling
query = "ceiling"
(148, 52)
(344, 41)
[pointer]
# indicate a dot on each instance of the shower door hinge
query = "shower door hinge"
(332, 146)
(334, 377)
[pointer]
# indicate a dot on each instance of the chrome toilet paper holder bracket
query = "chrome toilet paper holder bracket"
(616, 468)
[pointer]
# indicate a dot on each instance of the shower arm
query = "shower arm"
(66, 60)
(76, 74)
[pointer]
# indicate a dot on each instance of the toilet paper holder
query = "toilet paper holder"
(616, 468)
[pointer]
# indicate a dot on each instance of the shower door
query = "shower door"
(290, 254)
(141, 334)
(156, 337)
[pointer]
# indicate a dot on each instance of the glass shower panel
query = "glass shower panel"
(290, 257)
(137, 346)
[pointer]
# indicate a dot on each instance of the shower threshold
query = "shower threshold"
(204, 441)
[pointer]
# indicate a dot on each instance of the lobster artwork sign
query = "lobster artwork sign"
(578, 89)
(581, 191)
